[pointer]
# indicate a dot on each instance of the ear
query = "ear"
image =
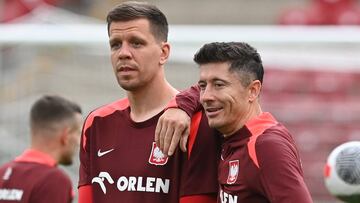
(254, 90)
(64, 136)
(165, 52)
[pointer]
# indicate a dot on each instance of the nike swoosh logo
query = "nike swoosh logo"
(100, 154)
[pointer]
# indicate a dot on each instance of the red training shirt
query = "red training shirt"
(121, 162)
(34, 177)
(260, 164)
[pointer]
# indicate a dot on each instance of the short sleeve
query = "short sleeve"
(84, 154)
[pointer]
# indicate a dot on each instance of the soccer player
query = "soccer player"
(119, 160)
(259, 160)
(55, 125)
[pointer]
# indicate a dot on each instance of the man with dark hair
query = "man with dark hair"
(119, 160)
(259, 159)
(55, 125)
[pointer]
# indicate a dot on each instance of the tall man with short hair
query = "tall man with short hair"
(120, 161)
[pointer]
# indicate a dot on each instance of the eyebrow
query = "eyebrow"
(112, 40)
(130, 38)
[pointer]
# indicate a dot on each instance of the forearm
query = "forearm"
(189, 100)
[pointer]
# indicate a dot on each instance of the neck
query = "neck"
(253, 112)
(150, 100)
(47, 148)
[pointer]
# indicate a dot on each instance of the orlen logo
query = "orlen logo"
(100, 180)
(133, 183)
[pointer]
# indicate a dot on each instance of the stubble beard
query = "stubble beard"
(128, 86)
(66, 160)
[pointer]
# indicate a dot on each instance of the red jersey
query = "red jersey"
(260, 164)
(121, 161)
(34, 177)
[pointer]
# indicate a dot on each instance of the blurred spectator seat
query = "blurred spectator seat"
(12, 9)
(323, 12)
(321, 109)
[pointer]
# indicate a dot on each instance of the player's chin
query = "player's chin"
(214, 122)
(128, 85)
(66, 161)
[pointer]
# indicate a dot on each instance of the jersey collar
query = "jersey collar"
(35, 156)
(252, 128)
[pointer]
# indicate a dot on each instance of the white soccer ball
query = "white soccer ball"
(342, 172)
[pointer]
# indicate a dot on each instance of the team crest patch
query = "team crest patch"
(156, 156)
(233, 171)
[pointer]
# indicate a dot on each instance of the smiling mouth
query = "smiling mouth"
(212, 111)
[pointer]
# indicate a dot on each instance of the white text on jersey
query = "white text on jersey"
(133, 183)
(11, 194)
(227, 198)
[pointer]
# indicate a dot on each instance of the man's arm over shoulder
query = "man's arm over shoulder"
(173, 126)
(189, 100)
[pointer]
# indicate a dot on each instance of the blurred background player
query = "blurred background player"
(119, 158)
(33, 176)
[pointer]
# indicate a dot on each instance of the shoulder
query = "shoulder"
(48, 177)
(276, 145)
(5, 165)
(277, 137)
(53, 185)
(57, 175)
(106, 110)
(5, 171)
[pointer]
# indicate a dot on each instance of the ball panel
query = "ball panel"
(342, 172)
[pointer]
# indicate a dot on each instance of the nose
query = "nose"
(206, 95)
(124, 51)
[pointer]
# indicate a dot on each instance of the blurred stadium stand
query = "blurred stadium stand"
(178, 12)
(311, 84)
(323, 12)
(13, 10)
(321, 109)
